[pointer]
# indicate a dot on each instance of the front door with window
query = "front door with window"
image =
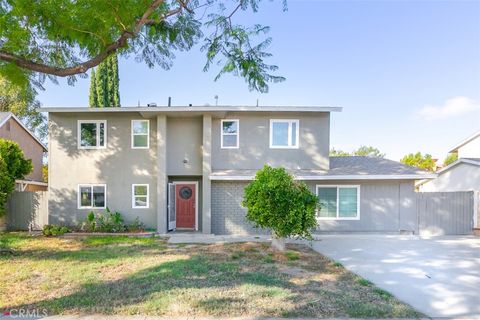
(185, 205)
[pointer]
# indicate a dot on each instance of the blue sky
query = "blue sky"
(407, 73)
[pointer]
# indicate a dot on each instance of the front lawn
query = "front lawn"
(121, 275)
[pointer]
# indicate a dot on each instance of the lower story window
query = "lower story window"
(140, 196)
(92, 196)
(339, 202)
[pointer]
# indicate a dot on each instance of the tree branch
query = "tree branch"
(121, 42)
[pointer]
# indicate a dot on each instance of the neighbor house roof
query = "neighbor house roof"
(195, 109)
(472, 161)
(343, 168)
(464, 142)
(5, 116)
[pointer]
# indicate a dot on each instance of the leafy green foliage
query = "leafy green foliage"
(44, 39)
(54, 230)
(274, 200)
(368, 151)
(420, 161)
(110, 221)
(13, 166)
(22, 103)
(451, 158)
(104, 84)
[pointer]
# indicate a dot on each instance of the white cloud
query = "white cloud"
(452, 107)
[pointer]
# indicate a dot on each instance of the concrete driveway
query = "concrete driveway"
(439, 276)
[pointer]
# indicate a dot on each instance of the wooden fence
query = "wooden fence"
(27, 210)
(446, 213)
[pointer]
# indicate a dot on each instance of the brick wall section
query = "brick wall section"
(228, 215)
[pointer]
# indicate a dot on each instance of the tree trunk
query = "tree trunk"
(278, 244)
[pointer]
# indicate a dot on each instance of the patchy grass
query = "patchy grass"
(128, 276)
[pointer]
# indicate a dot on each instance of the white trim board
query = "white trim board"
(464, 142)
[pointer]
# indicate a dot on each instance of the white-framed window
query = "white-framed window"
(140, 134)
(339, 202)
(92, 196)
(230, 129)
(92, 134)
(140, 196)
(284, 134)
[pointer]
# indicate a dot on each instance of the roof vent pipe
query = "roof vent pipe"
(152, 104)
(169, 101)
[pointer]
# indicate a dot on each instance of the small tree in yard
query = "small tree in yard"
(276, 201)
(13, 166)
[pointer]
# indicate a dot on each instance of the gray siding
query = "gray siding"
(254, 151)
(27, 210)
(384, 207)
(461, 177)
(118, 166)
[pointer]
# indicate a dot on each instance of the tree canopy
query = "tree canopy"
(368, 151)
(22, 103)
(451, 158)
(420, 161)
(104, 84)
(65, 38)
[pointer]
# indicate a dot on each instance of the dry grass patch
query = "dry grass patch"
(121, 275)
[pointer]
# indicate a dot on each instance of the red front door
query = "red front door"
(185, 195)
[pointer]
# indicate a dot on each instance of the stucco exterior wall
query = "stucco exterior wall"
(31, 148)
(254, 150)
(184, 142)
(471, 149)
(385, 206)
(462, 177)
(118, 166)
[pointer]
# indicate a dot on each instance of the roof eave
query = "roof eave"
(334, 177)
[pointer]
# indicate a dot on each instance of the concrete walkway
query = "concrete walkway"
(439, 276)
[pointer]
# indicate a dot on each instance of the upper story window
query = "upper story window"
(339, 202)
(284, 133)
(230, 134)
(92, 134)
(140, 134)
(92, 196)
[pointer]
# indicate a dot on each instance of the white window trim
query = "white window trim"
(133, 195)
(338, 186)
(97, 138)
(230, 134)
(289, 121)
(79, 203)
(137, 134)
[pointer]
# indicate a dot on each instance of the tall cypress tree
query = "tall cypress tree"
(106, 84)
(93, 98)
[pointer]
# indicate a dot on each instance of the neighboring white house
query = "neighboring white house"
(463, 174)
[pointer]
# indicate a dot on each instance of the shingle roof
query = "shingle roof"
(343, 168)
(363, 165)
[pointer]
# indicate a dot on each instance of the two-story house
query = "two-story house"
(186, 167)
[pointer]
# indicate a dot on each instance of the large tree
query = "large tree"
(419, 160)
(451, 158)
(21, 102)
(104, 84)
(66, 38)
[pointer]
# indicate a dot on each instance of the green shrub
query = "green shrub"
(111, 222)
(274, 200)
(53, 230)
(136, 226)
